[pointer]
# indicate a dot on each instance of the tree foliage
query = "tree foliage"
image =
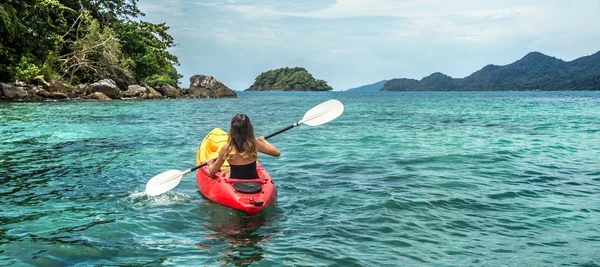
(289, 79)
(146, 45)
(95, 55)
(82, 41)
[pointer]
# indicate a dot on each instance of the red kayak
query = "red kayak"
(248, 195)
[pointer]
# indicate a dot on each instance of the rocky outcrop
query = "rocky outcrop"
(202, 86)
(13, 92)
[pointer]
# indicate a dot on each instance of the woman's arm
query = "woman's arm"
(263, 146)
(214, 165)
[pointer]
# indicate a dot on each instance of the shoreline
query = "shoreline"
(201, 86)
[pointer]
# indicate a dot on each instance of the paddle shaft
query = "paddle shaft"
(266, 137)
(282, 130)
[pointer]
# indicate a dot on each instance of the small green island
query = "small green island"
(288, 79)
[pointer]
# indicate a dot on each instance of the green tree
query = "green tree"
(95, 55)
(146, 46)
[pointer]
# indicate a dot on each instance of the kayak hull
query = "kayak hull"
(221, 190)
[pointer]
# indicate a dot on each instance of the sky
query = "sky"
(350, 43)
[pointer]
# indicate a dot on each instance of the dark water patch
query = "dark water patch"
(532, 173)
(452, 204)
(591, 238)
(21, 143)
(461, 225)
(503, 251)
(101, 144)
(22, 217)
(515, 225)
(339, 170)
(449, 161)
(565, 148)
(509, 154)
(559, 220)
(456, 184)
(593, 173)
(79, 228)
(490, 125)
(569, 194)
(555, 243)
(454, 121)
(513, 194)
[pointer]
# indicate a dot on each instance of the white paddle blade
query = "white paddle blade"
(323, 113)
(163, 182)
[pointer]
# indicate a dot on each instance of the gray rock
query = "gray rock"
(58, 86)
(203, 86)
(58, 95)
(106, 87)
(97, 96)
(136, 91)
(73, 96)
(42, 92)
(13, 92)
(83, 89)
(169, 91)
(153, 94)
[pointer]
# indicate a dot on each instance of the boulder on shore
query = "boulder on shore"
(58, 86)
(97, 96)
(106, 87)
(13, 92)
(169, 91)
(141, 92)
(202, 86)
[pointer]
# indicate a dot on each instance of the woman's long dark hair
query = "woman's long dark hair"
(241, 137)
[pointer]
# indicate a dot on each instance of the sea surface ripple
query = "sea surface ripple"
(400, 179)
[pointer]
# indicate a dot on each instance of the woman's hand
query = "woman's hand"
(210, 164)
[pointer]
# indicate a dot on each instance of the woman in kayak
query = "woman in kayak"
(241, 151)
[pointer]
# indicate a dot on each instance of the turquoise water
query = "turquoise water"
(400, 179)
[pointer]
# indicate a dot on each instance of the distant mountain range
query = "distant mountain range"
(535, 71)
(374, 87)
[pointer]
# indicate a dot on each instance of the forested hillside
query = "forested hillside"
(79, 41)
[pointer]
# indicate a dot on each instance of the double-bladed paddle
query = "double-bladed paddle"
(320, 114)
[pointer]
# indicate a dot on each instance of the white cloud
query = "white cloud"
(358, 39)
(468, 20)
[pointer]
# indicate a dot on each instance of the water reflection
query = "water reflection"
(239, 239)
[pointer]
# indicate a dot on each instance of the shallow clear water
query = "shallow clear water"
(412, 178)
